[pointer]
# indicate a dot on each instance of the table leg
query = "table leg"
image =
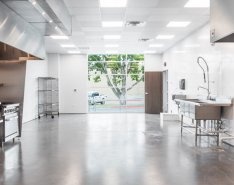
(196, 127)
(182, 124)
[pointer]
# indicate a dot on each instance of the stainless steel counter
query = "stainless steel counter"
(205, 115)
(200, 102)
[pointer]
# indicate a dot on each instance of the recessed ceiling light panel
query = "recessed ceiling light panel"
(197, 4)
(67, 45)
(113, 3)
(109, 24)
(165, 37)
(178, 24)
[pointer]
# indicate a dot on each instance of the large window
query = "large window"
(116, 83)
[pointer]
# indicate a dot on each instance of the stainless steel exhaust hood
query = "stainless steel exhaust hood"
(222, 21)
(16, 32)
(45, 15)
(24, 23)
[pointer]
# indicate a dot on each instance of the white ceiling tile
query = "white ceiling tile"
(82, 3)
(92, 29)
(113, 10)
(84, 11)
(87, 18)
(90, 24)
(133, 29)
(137, 17)
(142, 3)
(139, 11)
(171, 3)
(113, 17)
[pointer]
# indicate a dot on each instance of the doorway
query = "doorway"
(165, 91)
(153, 92)
(116, 83)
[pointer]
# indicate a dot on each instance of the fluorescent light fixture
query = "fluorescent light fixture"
(50, 21)
(114, 37)
(176, 24)
(67, 45)
(111, 45)
(156, 45)
(149, 52)
(109, 24)
(34, 2)
(113, 3)
(56, 37)
(112, 52)
(43, 13)
(165, 37)
(197, 4)
(74, 52)
(192, 45)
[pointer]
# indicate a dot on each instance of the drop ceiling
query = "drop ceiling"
(88, 33)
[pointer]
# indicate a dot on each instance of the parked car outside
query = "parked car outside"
(95, 97)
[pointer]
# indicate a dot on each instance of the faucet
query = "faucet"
(204, 75)
(208, 91)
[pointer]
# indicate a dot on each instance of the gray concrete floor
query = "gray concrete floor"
(112, 149)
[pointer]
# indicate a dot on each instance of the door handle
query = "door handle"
(146, 93)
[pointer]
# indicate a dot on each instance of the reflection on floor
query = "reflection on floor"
(112, 149)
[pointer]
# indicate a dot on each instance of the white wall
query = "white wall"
(72, 71)
(73, 75)
(34, 69)
(181, 63)
(153, 62)
(53, 65)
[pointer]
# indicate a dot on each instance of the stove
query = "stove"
(7, 108)
(9, 126)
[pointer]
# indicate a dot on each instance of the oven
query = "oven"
(10, 124)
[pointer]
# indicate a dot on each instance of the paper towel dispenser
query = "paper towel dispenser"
(182, 84)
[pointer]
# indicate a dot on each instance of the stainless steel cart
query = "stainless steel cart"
(48, 97)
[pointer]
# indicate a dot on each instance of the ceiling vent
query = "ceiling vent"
(135, 24)
(83, 48)
(144, 39)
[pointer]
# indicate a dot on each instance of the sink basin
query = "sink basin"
(196, 100)
(200, 109)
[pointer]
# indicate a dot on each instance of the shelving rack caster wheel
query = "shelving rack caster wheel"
(39, 117)
(52, 117)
